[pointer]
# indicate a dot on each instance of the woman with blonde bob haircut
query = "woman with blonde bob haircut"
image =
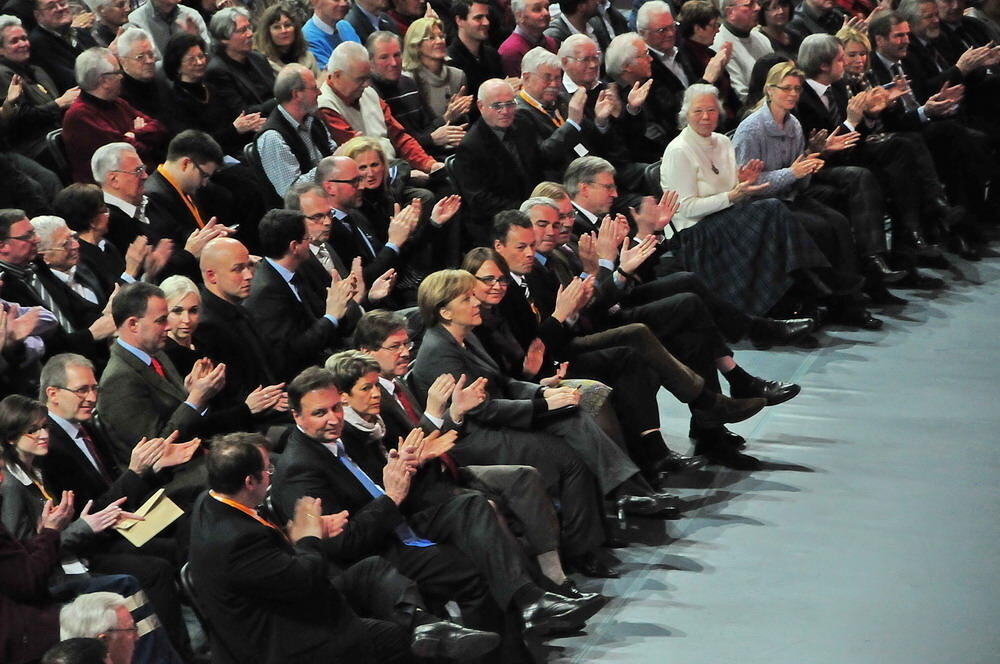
(424, 56)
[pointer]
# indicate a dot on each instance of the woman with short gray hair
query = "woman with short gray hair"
(749, 251)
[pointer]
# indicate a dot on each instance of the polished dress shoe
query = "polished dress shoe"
(765, 332)
(726, 410)
(861, 319)
(676, 463)
(568, 589)
(720, 435)
(877, 269)
(772, 391)
(551, 614)
(660, 505)
(448, 640)
(722, 454)
(590, 565)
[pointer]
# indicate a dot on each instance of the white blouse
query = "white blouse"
(687, 168)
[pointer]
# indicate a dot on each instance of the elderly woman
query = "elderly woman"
(774, 136)
(772, 22)
(749, 251)
(424, 56)
(521, 422)
(279, 38)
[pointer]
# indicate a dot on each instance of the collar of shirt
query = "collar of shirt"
(322, 25)
(887, 62)
(573, 30)
(590, 216)
(528, 38)
(17, 473)
(340, 215)
(167, 18)
(65, 277)
(517, 279)
(499, 132)
(102, 244)
(285, 273)
(372, 18)
(541, 258)
(296, 125)
(663, 56)
(388, 385)
(72, 430)
(314, 248)
(819, 88)
(124, 206)
(146, 358)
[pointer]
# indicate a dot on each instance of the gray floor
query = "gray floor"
(873, 535)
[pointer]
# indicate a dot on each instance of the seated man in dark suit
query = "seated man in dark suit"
(182, 201)
(58, 268)
(266, 593)
(242, 77)
(300, 326)
(18, 247)
(119, 171)
(447, 542)
(816, 17)
(383, 335)
(368, 16)
(141, 391)
(55, 43)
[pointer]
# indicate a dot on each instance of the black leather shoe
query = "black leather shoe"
(959, 245)
(882, 296)
(676, 463)
(552, 613)
(877, 269)
(721, 435)
(590, 565)
(660, 505)
(772, 391)
(726, 410)
(861, 319)
(769, 331)
(449, 640)
(726, 455)
(568, 589)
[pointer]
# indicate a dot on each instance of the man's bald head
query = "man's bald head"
(496, 103)
(226, 269)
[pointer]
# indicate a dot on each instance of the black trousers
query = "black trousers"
(829, 228)
(854, 191)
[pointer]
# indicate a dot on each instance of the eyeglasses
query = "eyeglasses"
(567, 216)
(788, 88)
(116, 72)
(395, 348)
(319, 216)
(205, 175)
(66, 244)
(270, 469)
(433, 38)
(354, 182)
(492, 281)
(503, 105)
(142, 57)
(26, 237)
(138, 171)
(122, 629)
(58, 4)
(33, 431)
(589, 59)
(665, 29)
(81, 391)
(192, 59)
(608, 187)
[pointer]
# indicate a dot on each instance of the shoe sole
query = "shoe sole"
(747, 414)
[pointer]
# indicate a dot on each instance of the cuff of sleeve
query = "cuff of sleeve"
(332, 319)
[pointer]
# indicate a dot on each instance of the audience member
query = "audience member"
(816, 17)
(773, 23)
(326, 29)
(279, 37)
(109, 17)
(579, 17)
(138, 59)
(55, 43)
(241, 78)
(441, 86)
(469, 51)
(119, 170)
(162, 19)
(738, 20)
(369, 16)
(532, 17)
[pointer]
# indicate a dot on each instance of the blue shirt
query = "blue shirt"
(322, 38)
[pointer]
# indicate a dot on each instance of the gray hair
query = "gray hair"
(224, 22)
(489, 88)
(45, 227)
(908, 9)
(108, 158)
(91, 65)
(380, 36)
(584, 169)
(7, 21)
(89, 615)
(130, 38)
(346, 54)
(817, 50)
(539, 57)
(568, 48)
(289, 81)
(622, 50)
(538, 201)
(649, 9)
(94, 5)
(294, 195)
(54, 372)
(696, 90)
(726, 4)
(177, 286)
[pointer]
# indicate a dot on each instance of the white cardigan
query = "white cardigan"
(687, 169)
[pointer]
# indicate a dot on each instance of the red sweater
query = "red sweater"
(90, 123)
(406, 146)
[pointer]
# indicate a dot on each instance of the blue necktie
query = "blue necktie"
(403, 531)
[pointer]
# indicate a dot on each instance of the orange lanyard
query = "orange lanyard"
(188, 201)
(246, 510)
(45, 494)
(554, 116)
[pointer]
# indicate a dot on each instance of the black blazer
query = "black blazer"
(238, 88)
(170, 218)
(295, 334)
(566, 137)
(348, 244)
(268, 601)
(363, 26)
(123, 229)
(106, 264)
(813, 113)
(81, 313)
(57, 56)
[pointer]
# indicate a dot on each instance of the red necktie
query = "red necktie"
(404, 401)
(157, 367)
(89, 442)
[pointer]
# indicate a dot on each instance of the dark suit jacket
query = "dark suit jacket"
(813, 113)
(57, 56)
(348, 244)
(268, 601)
(29, 623)
(80, 312)
(559, 30)
(294, 332)
(363, 26)
(36, 114)
(68, 469)
(242, 88)
(170, 218)
(896, 118)
(123, 229)
(106, 264)
(136, 402)
(567, 137)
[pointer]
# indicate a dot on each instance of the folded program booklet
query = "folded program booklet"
(159, 512)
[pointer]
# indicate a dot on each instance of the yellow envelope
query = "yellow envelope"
(159, 512)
